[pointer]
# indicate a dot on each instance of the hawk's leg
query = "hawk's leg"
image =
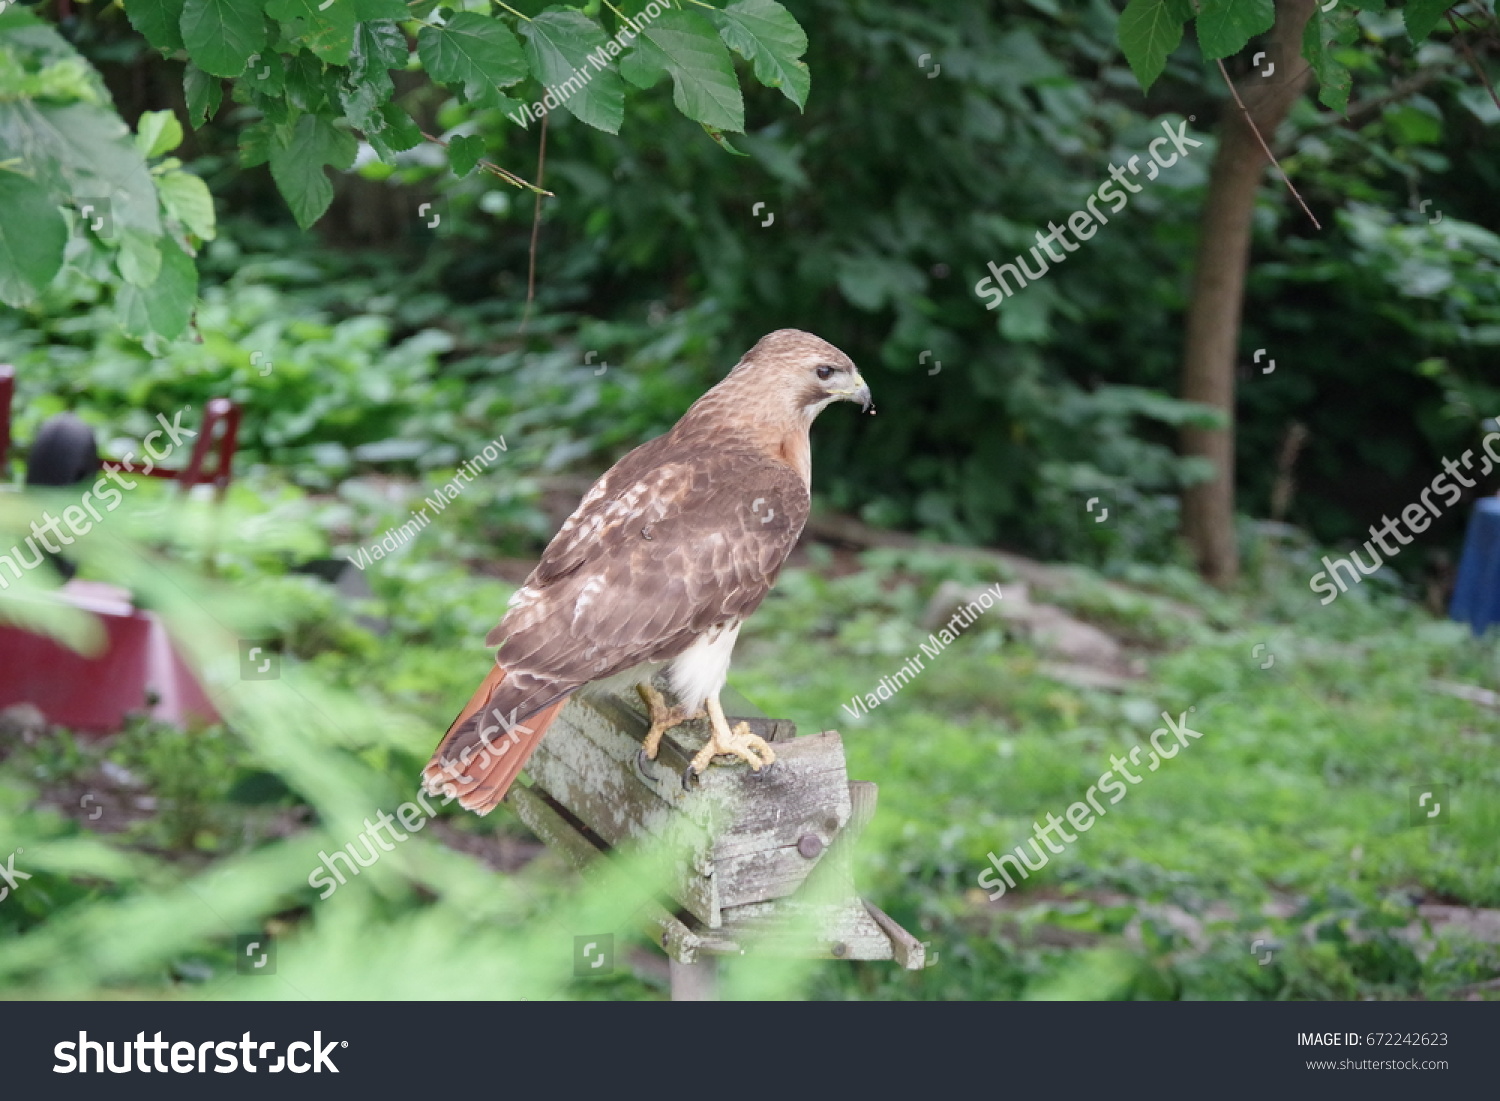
(663, 719)
(722, 741)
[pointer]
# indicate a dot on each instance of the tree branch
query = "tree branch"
(536, 225)
(495, 170)
(1474, 61)
(1367, 108)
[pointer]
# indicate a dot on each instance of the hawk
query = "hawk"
(657, 568)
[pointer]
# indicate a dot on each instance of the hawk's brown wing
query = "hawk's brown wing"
(666, 545)
(671, 542)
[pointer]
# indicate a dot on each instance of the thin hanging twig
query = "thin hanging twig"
(496, 170)
(536, 224)
(1474, 61)
(1250, 121)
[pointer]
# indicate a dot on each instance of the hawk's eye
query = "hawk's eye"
(825, 371)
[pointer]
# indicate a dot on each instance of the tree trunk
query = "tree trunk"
(1213, 317)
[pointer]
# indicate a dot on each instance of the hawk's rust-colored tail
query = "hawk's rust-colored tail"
(485, 749)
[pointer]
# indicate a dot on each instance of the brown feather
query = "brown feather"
(477, 761)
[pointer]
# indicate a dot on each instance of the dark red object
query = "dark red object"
(220, 416)
(135, 668)
(7, 392)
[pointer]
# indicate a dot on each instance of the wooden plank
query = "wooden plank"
(749, 843)
(748, 826)
(776, 731)
(906, 949)
(619, 726)
(759, 876)
(615, 805)
(695, 982)
(676, 939)
(835, 875)
(551, 828)
(794, 928)
(863, 795)
(613, 800)
(617, 731)
(806, 793)
(813, 823)
(687, 940)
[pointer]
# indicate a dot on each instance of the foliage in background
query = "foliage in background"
(79, 192)
(314, 82)
(887, 207)
(1416, 89)
(886, 212)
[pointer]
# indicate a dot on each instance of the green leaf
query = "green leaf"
(362, 100)
(220, 35)
(33, 235)
(397, 135)
(1410, 125)
(362, 103)
(378, 48)
(473, 51)
(1326, 33)
(570, 55)
(157, 132)
(255, 144)
(326, 28)
(1480, 105)
(298, 154)
(164, 308)
(1224, 26)
(264, 83)
(310, 85)
(1149, 31)
(66, 80)
(869, 281)
(1422, 16)
(464, 153)
(644, 65)
(139, 259)
(187, 199)
(765, 34)
(86, 153)
(704, 85)
(368, 10)
(203, 93)
(158, 20)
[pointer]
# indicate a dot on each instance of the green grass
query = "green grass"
(1297, 793)
(1287, 822)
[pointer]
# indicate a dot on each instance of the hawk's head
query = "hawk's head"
(807, 370)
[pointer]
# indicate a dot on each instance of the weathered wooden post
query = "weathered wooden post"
(764, 856)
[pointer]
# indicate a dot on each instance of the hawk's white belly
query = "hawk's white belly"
(699, 671)
(695, 675)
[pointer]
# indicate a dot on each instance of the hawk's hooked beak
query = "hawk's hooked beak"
(861, 394)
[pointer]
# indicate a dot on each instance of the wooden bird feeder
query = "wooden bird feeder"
(764, 858)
